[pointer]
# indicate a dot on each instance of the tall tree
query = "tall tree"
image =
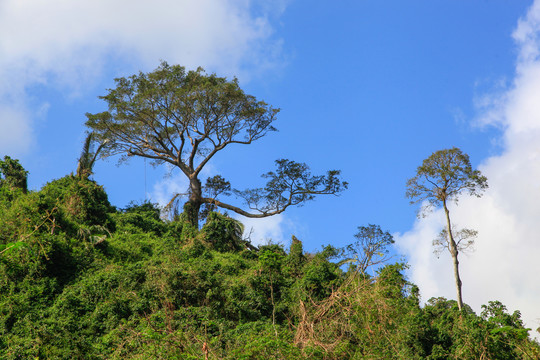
(184, 118)
(441, 178)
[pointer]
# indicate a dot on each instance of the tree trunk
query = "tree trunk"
(454, 252)
(193, 206)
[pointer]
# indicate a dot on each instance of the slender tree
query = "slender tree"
(184, 118)
(441, 178)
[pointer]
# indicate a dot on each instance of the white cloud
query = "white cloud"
(216, 33)
(164, 190)
(505, 265)
(66, 44)
(264, 230)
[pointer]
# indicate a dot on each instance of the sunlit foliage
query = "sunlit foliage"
(80, 279)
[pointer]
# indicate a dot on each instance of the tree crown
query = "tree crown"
(184, 118)
(443, 176)
(178, 116)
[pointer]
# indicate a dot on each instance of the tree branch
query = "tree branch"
(240, 211)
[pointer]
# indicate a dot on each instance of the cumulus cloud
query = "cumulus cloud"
(505, 264)
(66, 44)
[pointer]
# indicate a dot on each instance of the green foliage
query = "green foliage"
(271, 260)
(362, 318)
(80, 202)
(257, 340)
(82, 280)
(12, 174)
(320, 276)
(291, 184)
(223, 233)
(189, 103)
(493, 335)
(23, 215)
(295, 260)
(507, 334)
(140, 218)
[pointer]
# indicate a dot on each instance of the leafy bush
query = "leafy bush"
(80, 202)
(223, 233)
(143, 218)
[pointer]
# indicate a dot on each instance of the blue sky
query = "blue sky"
(368, 87)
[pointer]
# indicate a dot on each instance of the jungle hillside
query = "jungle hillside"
(83, 279)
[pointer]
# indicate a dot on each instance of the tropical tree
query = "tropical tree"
(184, 118)
(441, 178)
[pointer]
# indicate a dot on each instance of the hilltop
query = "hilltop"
(81, 279)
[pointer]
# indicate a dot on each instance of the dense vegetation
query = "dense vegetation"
(80, 279)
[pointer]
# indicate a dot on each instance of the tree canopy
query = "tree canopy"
(184, 118)
(443, 176)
